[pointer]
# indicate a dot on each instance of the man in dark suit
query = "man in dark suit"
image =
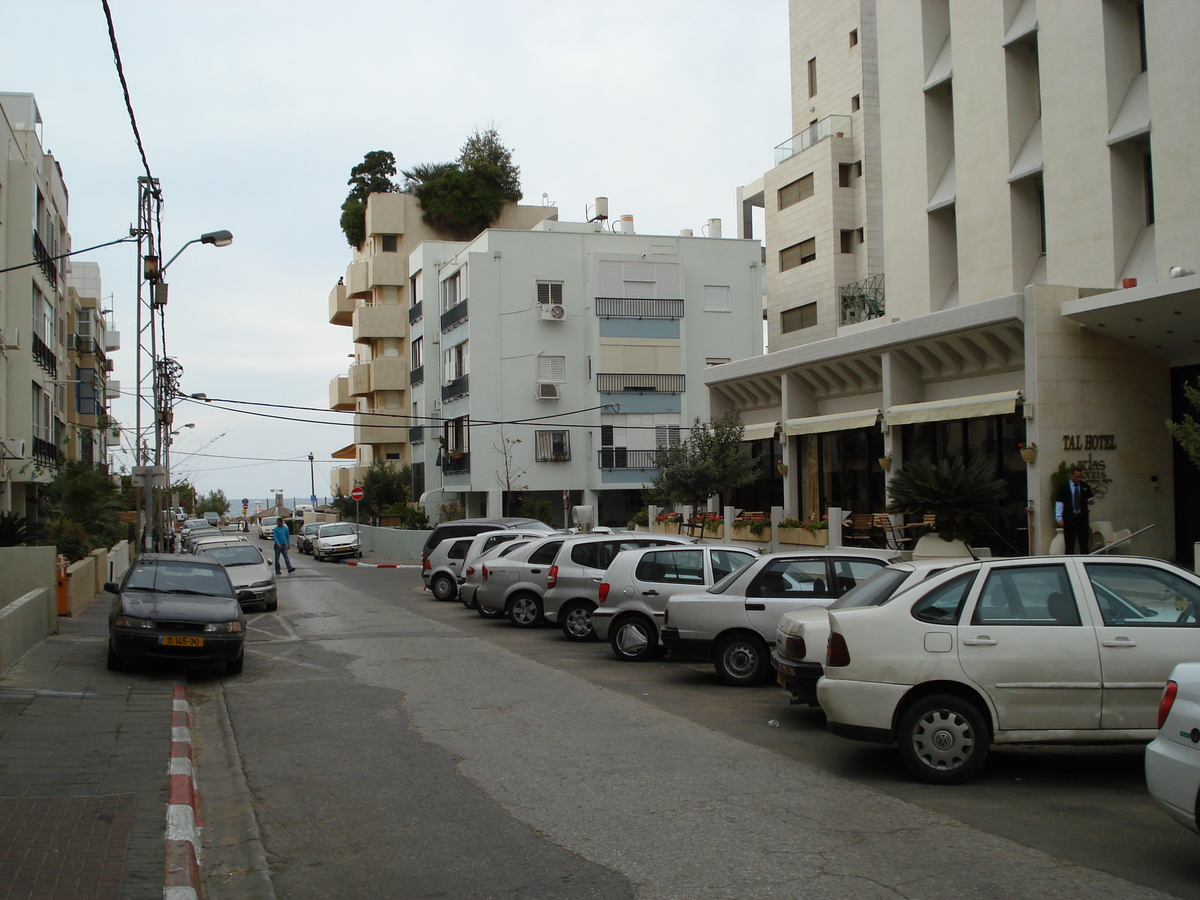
(1071, 511)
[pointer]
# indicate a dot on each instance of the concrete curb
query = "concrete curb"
(182, 863)
(355, 562)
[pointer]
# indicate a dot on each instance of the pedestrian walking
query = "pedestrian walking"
(283, 540)
(1071, 512)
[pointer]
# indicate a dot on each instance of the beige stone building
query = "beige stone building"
(1038, 196)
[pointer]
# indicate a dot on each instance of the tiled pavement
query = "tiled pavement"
(83, 770)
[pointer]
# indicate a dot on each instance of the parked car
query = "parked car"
(207, 539)
(304, 537)
(465, 527)
(266, 525)
(733, 623)
(177, 608)
(799, 654)
(445, 563)
(1046, 649)
(336, 540)
(447, 569)
(573, 579)
(1173, 758)
(635, 588)
(212, 518)
(248, 569)
(192, 535)
(512, 585)
(467, 591)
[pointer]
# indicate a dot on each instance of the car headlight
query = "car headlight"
(132, 622)
(260, 584)
(234, 626)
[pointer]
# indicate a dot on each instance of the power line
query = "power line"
(38, 262)
(112, 36)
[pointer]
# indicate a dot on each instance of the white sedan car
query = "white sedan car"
(1031, 650)
(1173, 758)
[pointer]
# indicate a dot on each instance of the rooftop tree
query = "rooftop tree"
(372, 176)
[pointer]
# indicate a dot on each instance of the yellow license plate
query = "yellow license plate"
(172, 641)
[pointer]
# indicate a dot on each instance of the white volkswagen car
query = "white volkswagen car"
(1018, 651)
(1173, 758)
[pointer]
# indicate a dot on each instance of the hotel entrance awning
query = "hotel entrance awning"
(999, 404)
(859, 418)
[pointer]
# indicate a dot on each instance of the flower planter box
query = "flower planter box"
(743, 533)
(804, 536)
(717, 535)
(671, 526)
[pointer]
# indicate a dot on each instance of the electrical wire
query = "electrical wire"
(112, 36)
(38, 262)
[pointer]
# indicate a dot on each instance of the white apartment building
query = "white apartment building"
(551, 364)
(1039, 188)
(372, 300)
(34, 312)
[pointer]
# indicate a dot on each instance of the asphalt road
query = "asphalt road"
(394, 746)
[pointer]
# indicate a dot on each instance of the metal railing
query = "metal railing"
(862, 300)
(454, 315)
(452, 464)
(414, 313)
(416, 376)
(416, 435)
(625, 382)
(459, 387)
(45, 451)
(44, 260)
(621, 458)
(830, 126)
(628, 308)
(45, 356)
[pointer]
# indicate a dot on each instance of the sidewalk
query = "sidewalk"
(83, 770)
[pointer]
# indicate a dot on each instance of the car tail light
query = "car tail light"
(603, 595)
(483, 573)
(1168, 700)
(837, 654)
(470, 570)
(552, 577)
(428, 566)
(794, 647)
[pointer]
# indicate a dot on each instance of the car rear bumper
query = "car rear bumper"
(799, 678)
(685, 649)
(864, 707)
(216, 648)
(1173, 779)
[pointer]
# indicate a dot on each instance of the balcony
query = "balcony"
(360, 380)
(830, 126)
(44, 356)
(455, 314)
(416, 376)
(341, 306)
(459, 387)
(339, 393)
(46, 451)
(414, 312)
(379, 429)
(861, 300)
(372, 322)
(356, 279)
(45, 263)
(387, 270)
(626, 383)
(456, 464)
(620, 458)
(385, 213)
(625, 308)
(389, 373)
(416, 435)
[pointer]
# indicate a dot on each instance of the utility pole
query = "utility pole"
(313, 482)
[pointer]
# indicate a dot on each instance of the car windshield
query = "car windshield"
(179, 578)
(875, 591)
(310, 529)
(335, 530)
(239, 555)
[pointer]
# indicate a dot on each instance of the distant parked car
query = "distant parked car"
(336, 540)
(176, 608)
(304, 537)
(207, 539)
(1033, 650)
(212, 517)
(446, 568)
(248, 569)
(266, 525)
(465, 527)
(474, 572)
(1173, 758)
(635, 588)
(733, 623)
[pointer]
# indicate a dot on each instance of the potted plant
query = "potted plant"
(750, 528)
(885, 461)
(1028, 451)
(960, 495)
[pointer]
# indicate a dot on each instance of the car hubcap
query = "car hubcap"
(942, 739)
(442, 589)
(632, 639)
(524, 611)
(579, 622)
(740, 660)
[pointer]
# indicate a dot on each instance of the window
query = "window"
(725, 562)
(812, 77)
(798, 317)
(665, 436)
(854, 37)
(798, 254)
(1144, 596)
(858, 169)
(85, 392)
(1148, 182)
(457, 433)
(551, 369)
(387, 243)
(552, 446)
(716, 298)
(800, 189)
(549, 292)
(416, 292)
(860, 235)
(456, 362)
(791, 578)
(849, 573)
(452, 290)
(671, 567)
(855, 103)
(1027, 595)
(847, 241)
(845, 173)
(943, 605)
(418, 353)
(544, 555)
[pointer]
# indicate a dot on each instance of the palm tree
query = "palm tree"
(961, 495)
(81, 507)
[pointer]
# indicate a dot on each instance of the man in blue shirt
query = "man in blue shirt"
(283, 540)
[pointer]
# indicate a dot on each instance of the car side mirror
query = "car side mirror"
(112, 587)
(245, 596)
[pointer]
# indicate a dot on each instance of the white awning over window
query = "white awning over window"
(860, 418)
(999, 404)
(760, 432)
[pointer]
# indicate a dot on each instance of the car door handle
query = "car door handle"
(649, 593)
(982, 641)
(755, 607)
(535, 571)
(1120, 642)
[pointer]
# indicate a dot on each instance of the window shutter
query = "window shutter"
(716, 298)
(549, 292)
(552, 369)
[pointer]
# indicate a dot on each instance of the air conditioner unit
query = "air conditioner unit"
(12, 340)
(547, 391)
(72, 342)
(552, 312)
(13, 448)
(109, 365)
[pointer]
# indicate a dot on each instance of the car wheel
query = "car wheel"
(487, 613)
(115, 663)
(234, 666)
(272, 606)
(634, 639)
(525, 611)
(943, 739)
(443, 587)
(576, 621)
(317, 557)
(743, 660)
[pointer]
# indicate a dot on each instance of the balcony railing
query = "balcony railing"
(459, 387)
(47, 265)
(627, 308)
(454, 315)
(621, 458)
(862, 300)
(416, 435)
(414, 313)
(830, 126)
(416, 376)
(456, 464)
(45, 356)
(624, 382)
(45, 451)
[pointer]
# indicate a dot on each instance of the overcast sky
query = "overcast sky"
(253, 112)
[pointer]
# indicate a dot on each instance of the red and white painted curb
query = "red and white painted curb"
(355, 562)
(182, 868)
